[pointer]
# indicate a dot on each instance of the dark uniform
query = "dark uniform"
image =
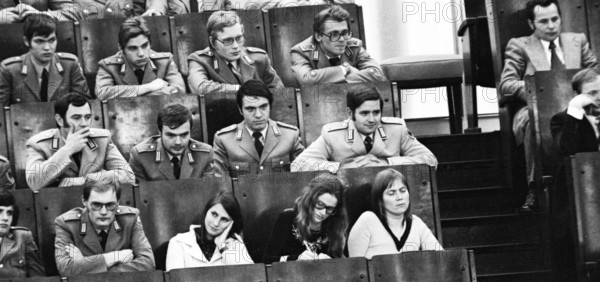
(311, 66)
(19, 256)
(100, 158)
(235, 151)
(7, 180)
(209, 72)
(149, 160)
(126, 232)
(19, 81)
(117, 79)
(100, 9)
(340, 141)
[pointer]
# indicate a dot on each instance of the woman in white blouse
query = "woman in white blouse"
(389, 228)
(217, 242)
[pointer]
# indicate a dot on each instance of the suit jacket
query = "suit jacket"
(126, 232)
(19, 256)
(571, 135)
(149, 161)
(235, 151)
(526, 55)
(209, 72)
(47, 165)
(7, 180)
(311, 66)
(117, 79)
(19, 82)
(340, 141)
(184, 252)
(100, 9)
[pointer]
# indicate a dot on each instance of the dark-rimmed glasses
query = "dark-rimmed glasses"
(229, 41)
(336, 35)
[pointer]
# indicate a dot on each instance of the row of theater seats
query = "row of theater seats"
(169, 207)
(131, 120)
(275, 31)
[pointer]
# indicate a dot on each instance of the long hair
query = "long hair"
(336, 224)
(231, 206)
(384, 180)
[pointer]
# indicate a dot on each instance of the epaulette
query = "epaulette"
(205, 52)
(336, 126)
(66, 56)
(12, 60)
(113, 60)
(392, 120)
(125, 210)
(197, 146)
(3, 159)
(354, 43)
(148, 147)
(19, 228)
(160, 55)
(307, 47)
(285, 125)
(72, 215)
(227, 129)
(44, 135)
(98, 133)
(256, 50)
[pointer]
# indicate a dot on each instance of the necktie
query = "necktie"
(176, 167)
(139, 73)
(103, 239)
(555, 62)
(44, 87)
(598, 126)
(368, 143)
(193, 6)
(237, 75)
(334, 61)
(257, 143)
(77, 159)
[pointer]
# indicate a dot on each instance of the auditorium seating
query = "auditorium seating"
(347, 269)
(11, 39)
(248, 272)
(141, 276)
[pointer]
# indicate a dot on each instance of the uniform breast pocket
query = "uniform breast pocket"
(281, 164)
(239, 168)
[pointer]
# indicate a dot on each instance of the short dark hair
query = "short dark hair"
(38, 25)
(100, 185)
(62, 105)
(173, 115)
(582, 77)
(255, 88)
(383, 180)
(133, 27)
(334, 12)
(220, 20)
(8, 200)
(231, 206)
(360, 93)
(530, 7)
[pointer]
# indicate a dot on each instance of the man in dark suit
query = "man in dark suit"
(546, 49)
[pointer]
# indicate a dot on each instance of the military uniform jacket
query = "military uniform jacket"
(100, 9)
(19, 81)
(7, 180)
(149, 160)
(19, 256)
(126, 232)
(209, 73)
(116, 78)
(235, 152)
(170, 7)
(340, 141)
(311, 66)
(47, 165)
(62, 10)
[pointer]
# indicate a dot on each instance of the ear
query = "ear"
(82, 201)
(59, 120)
(317, 37)
(26, 41)
(210, 41)
(240, 109)
(531, 25)
(349, 111)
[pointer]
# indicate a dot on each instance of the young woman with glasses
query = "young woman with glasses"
(315, 228)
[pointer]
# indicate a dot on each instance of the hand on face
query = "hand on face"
(76, 139)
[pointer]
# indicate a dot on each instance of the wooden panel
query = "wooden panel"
(452, 265)
(28, 119)
(169, 207)
(24, 200)
(11, 39)
(592, 8)
(131, 120)
(52, 202)
(37, 279)
(322, 104)
(250, 273)
(139, 276)
(291, 25)
(347, 269)
(3, 136)
(189, 33)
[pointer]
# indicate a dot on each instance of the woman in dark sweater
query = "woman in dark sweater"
(315, 228)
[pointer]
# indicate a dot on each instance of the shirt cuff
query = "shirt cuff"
(344, 70)
(575, 112)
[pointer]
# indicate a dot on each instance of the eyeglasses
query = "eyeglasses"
(328, 209)
(229, 41)
(336, 35)
(111, 206)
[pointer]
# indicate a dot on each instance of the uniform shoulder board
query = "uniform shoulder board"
(98, 133)
(3, 159)
(44, 135)
(336, 126)
(125, 210)
(206, 52)
(392, 120)
(227, 129)
(160, 55)
(113, 60)
(66, 56)
(198, 146)
(256, 50)
(12, 60)
(354, 43)
(285, 125)
(149, 146)
(307, 47)
(74, 214)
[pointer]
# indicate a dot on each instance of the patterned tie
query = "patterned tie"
(44, 87)
(555, 62)
(368, 143)
(139, 73)
(176, 167)
(334, 61)
(103, 239)
(237, 74)
(259, 145)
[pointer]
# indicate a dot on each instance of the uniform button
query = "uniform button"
(193, 146)
(20, 261)
(127, 6)
(18, 100)
(237, 167)
(1, 265)
(313, 73)
(281, 162)
(261, 167)
(78, 215)
(109, 10)
(118, 211)
(118, 60)
(372, 70)
(152, 147)
(86, 11)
